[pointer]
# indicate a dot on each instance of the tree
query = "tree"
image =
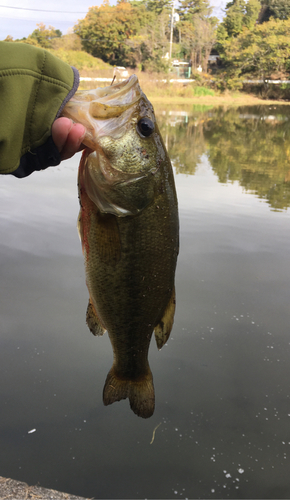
(239, 14)
(190, 8)
(278, 9)
(253, 8)
(259, 52)
(197, 30)
(233, 22)
(43, 36)
(150, 45)
(158, 6)
(131, 33)
(67, 42)
(105, 30)
(198, 38)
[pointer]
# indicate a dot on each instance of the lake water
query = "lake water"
(222, 382)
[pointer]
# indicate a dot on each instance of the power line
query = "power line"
(42, 10)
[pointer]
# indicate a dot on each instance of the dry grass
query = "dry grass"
(166, 93)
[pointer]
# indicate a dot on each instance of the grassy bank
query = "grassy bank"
(236, 99)
(84, 62)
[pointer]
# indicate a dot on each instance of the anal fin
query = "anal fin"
(93, 321)
(163, 328)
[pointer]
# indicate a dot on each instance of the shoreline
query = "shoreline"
(18, 490)
(218, 100)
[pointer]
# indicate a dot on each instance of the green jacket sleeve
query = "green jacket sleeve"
(34, 88)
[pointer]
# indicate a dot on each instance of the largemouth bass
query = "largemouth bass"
(128, 225)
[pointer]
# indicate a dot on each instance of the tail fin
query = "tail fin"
(140, 393)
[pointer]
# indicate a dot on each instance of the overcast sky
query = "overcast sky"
(18, 18)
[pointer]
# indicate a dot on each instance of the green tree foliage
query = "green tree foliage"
(158, 6)
(278, 9)
(189, 8)
(132, 33)
(239, 14)
(253, 8)
(105, 30)
(67, 42)
(234, 20)
(253, 41)
(42, 36)
(248, 145)
(260, 52)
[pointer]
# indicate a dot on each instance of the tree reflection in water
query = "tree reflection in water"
(250, 145)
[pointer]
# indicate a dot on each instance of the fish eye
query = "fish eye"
(145, 127)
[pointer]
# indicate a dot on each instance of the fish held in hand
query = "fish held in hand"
(128, 225)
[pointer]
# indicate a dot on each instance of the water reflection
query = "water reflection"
(250, 145)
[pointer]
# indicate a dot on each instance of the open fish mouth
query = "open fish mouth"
(118, 93)
(104, 111)
(116, 99)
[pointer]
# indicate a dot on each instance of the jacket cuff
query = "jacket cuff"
(40, 158)
(46, 155)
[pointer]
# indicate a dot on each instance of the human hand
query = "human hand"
(67, 136)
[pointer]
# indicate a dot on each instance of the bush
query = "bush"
(202, 91)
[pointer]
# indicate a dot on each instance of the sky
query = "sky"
(18, 18)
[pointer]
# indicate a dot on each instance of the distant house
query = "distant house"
(184, 68)
(214, 58)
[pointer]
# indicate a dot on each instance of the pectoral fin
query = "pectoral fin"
(93, 321)
(163, 328)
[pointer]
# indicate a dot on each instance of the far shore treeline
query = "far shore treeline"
(251, 43)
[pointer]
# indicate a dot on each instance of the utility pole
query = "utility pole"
(171, 30)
